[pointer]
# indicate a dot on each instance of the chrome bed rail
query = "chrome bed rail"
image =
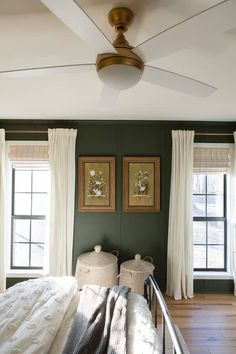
(154, 297)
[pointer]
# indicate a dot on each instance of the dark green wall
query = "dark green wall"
(213, 286)
(13, 281)
(130, 233)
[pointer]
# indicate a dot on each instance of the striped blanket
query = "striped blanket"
(99, 325)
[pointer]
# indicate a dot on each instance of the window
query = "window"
(28, 217)
(211, 208)
(27, 177)
(209, 221)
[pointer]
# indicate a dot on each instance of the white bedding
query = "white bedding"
(142, 337)
(31, 313)
(35, 317)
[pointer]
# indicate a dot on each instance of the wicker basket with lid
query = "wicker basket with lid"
(97, 267)
(133, 273)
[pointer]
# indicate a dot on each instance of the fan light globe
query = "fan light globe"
(120, 76)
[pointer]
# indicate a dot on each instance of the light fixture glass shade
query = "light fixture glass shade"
(120, 76)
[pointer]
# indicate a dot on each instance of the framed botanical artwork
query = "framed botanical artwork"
(97, 184)
(141, 184)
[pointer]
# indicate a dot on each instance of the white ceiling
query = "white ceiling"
(31, 36)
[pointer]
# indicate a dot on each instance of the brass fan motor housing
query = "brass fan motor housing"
(120, 18)
(124, 56)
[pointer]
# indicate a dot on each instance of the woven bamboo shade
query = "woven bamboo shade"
(211, 159)
(31, 153)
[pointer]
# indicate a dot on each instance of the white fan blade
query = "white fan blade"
(108, 97)
(217, 19)
(176, 82)
(73, 16)
(49, 70)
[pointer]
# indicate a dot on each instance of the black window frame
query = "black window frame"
(24, 217)
(206, 219)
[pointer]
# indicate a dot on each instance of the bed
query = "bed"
(51, 315)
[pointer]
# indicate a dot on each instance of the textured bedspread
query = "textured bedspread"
(36, 317)
(31, 313)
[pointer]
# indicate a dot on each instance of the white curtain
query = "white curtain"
(233, 214)
(180, 247)
(62, 195)
(2, 214)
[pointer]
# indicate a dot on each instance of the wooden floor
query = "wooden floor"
(207, 323)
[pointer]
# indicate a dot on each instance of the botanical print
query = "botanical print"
(141, 184)
(96, 185)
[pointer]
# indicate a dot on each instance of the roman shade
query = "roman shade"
(211, 159)
(30, 152)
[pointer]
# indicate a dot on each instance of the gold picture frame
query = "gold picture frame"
(141, 184)
(97, 184)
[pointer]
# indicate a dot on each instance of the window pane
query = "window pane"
(21, 230)
(39, 204)
(199, 232)
(38, 230)
(40, 181)
(215, 256)
(20, 255)
(208, 230)
(215, 206)
(22, 181)
(199, 257)
(215, 184)
(199, 185)
(22, 204)
(37, 252)
(199, 205)
(216, 232)
(30, 199)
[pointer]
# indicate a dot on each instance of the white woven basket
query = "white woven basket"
(134, 273)
(99, 268)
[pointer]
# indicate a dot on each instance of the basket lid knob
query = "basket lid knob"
(137, 257)
(98, 248)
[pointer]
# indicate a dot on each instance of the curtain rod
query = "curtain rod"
(215, 134)
(27, 131)
(45, 132)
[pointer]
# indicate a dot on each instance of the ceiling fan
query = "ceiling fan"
(119, 65)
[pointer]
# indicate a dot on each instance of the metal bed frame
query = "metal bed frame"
(157, 304)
